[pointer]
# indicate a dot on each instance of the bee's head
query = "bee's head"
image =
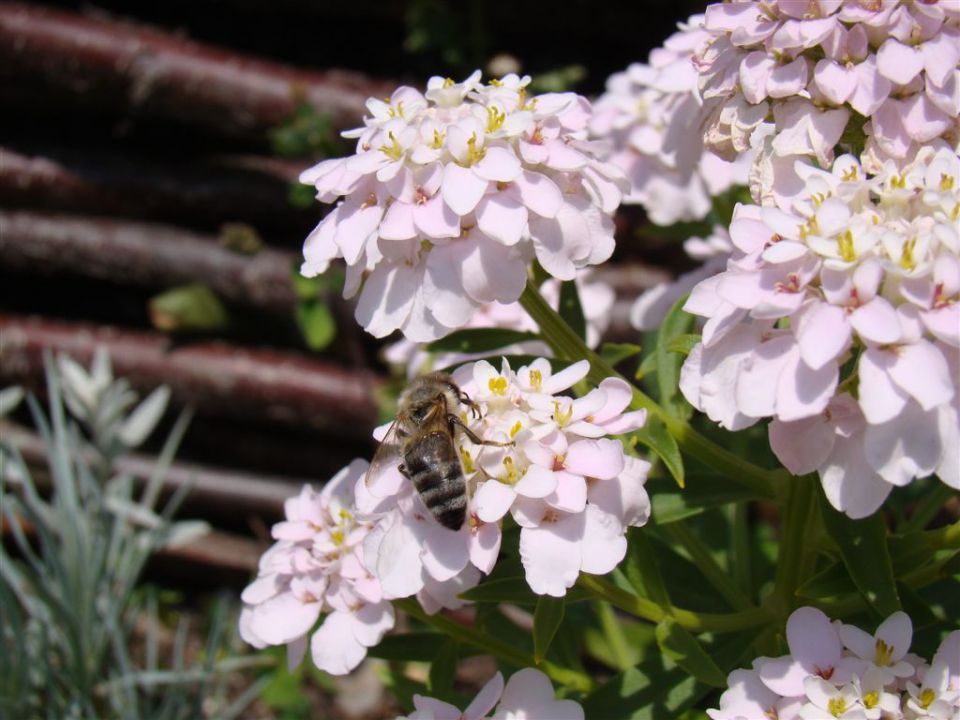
(423, 394)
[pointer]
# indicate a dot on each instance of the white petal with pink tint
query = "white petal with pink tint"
(462, 188)
(502, 218)
(334, 647)
(604, 544)
(551, 554)
(601, 459)
(493, 499)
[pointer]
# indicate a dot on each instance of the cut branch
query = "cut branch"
(207, 193)
(217, 378)
(147, 255)
(129, 70)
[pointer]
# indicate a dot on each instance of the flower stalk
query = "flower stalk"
(567, 344)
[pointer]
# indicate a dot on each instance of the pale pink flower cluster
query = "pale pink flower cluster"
(652, 114)
(596, 298)
(863, 272)
(528, 695)
(794, 78)
(835, 670)
(451, 194)
(315, 567)
(571, 489)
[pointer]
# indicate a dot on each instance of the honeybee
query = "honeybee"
(423, 436)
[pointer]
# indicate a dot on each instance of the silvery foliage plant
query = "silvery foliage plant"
(69, 598)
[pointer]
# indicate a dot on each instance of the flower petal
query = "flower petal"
(333, 646)
(551, 554)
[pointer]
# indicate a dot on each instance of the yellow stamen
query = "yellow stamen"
(871, 700)
(927, 697)
(907, 261)
(438, 138)
(946, 181)
(467, 460)
(560, 416)
(337, 537)
(898, 182)
(511, 476)
(392, 151)
(837, 706)
(850, 174)
(883, 653)
(474, 154)
(517, 427)
(536, 380)
(817, 199)
(495, 119)
(396, 111)
(845, 244)
(498, 385)
(448, 83)
(495, 83)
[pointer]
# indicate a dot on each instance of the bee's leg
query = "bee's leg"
(468, 401)
(474, 438)
(403, 470)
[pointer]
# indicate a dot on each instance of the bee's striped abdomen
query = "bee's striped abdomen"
(434, 468)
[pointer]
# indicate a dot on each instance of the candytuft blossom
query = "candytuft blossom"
(652, 113)
(528, 694)
(863, 268)
(566, 483)
(840, 671)
(316, 568)
(451, 193)
(792, 80)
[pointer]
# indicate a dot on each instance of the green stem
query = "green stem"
(613, 632)
(692, 621)
(740, 565)
(796, 555)
(927, 509)
(507, 653)
(947, 537)
(567, 344)
(707, 565)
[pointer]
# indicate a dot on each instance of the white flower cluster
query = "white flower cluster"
(840, 671)
(652, 113)
(571, 489)
(316, 566)
(452, 193)
(863, 269)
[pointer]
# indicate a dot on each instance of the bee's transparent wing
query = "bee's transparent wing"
(386, 455)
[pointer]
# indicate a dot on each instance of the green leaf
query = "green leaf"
(833, 580)
(675, 324)
(570, 308)
(684, 649)
(418, 646)
(701, 493)
(647, 366)
(546, 619)
(188, 307)
(479, 340)
(514, 590)
(863, 547)
(317, 324)
(642, 569)
(656, 437)
(443, 669)
(683, 344)
(616, 353)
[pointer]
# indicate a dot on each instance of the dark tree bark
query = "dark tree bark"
(117, 68)
(217, 378)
